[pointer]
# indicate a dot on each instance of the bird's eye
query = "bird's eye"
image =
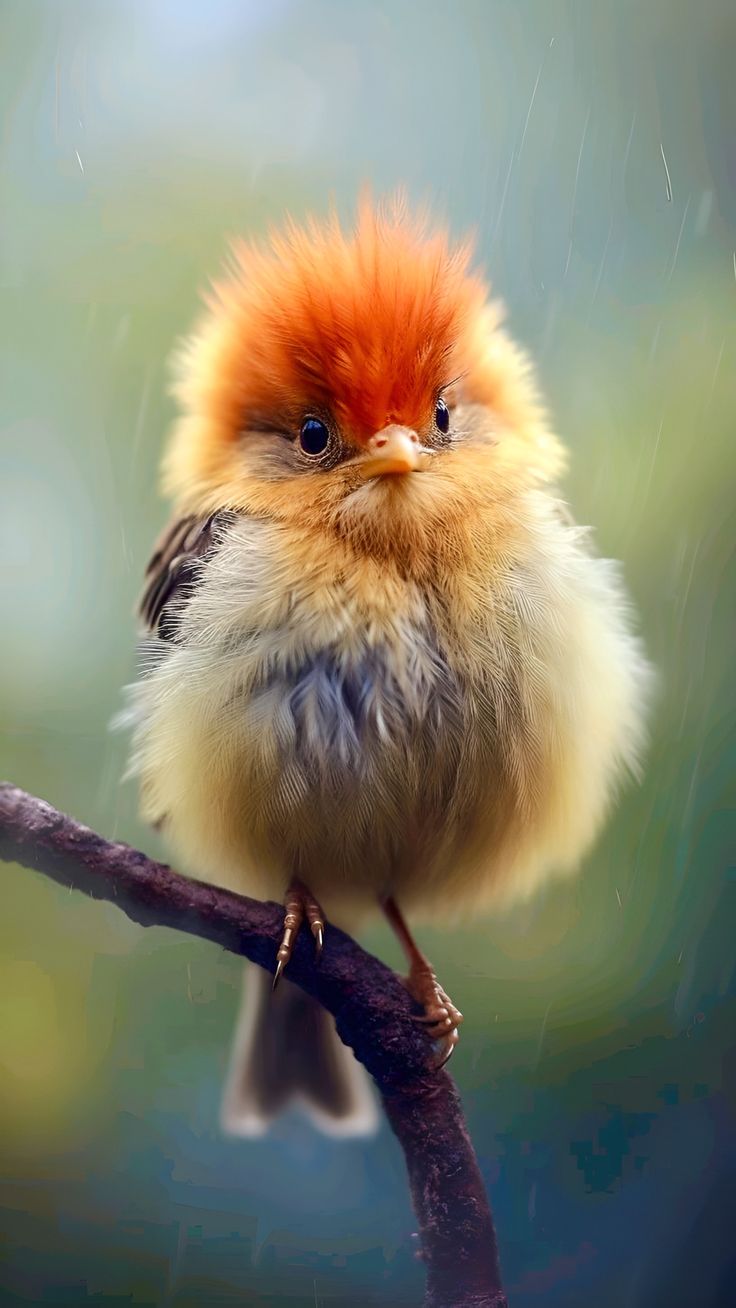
(442, 417)
(314, 436)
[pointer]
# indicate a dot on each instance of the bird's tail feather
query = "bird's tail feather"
(286, 1049)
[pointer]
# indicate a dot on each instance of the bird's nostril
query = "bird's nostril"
(379, 441)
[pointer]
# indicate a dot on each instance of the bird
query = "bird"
(382, 667)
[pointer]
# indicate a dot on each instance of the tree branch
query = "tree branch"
(372, 1009)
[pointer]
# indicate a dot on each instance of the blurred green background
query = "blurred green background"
(595, 1062)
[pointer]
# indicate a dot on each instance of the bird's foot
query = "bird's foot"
(298, 904)
(440, 1016)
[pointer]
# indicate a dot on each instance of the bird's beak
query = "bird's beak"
(394, 449)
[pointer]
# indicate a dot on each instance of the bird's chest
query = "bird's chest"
(369, 707)
(358, 748)
(324, 682)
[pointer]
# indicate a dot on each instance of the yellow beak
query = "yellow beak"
(392, 450)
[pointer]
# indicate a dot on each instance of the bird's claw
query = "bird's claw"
(319, 937)
(440, 1017)
(298, 904)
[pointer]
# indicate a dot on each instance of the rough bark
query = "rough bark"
(372, 1009)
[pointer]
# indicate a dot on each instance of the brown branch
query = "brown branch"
(371, 1007)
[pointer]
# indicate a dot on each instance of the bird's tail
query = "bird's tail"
(286, 1049)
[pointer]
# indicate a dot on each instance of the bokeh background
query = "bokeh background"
(595, 1066)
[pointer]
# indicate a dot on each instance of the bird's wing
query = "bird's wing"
(172, 571)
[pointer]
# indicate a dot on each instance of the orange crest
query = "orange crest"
(366, 326)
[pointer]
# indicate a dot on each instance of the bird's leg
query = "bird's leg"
(441, 1016)
(299, 903)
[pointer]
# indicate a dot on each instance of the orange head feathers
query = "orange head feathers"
(367, 326)
(361, 332)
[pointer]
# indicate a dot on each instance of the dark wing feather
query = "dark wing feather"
(171, 574)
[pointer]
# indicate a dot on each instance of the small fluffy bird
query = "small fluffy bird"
(383, 667)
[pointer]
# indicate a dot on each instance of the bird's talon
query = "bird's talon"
(441, 1018)
(298, 904)
(319, 939)
(452, 1041)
